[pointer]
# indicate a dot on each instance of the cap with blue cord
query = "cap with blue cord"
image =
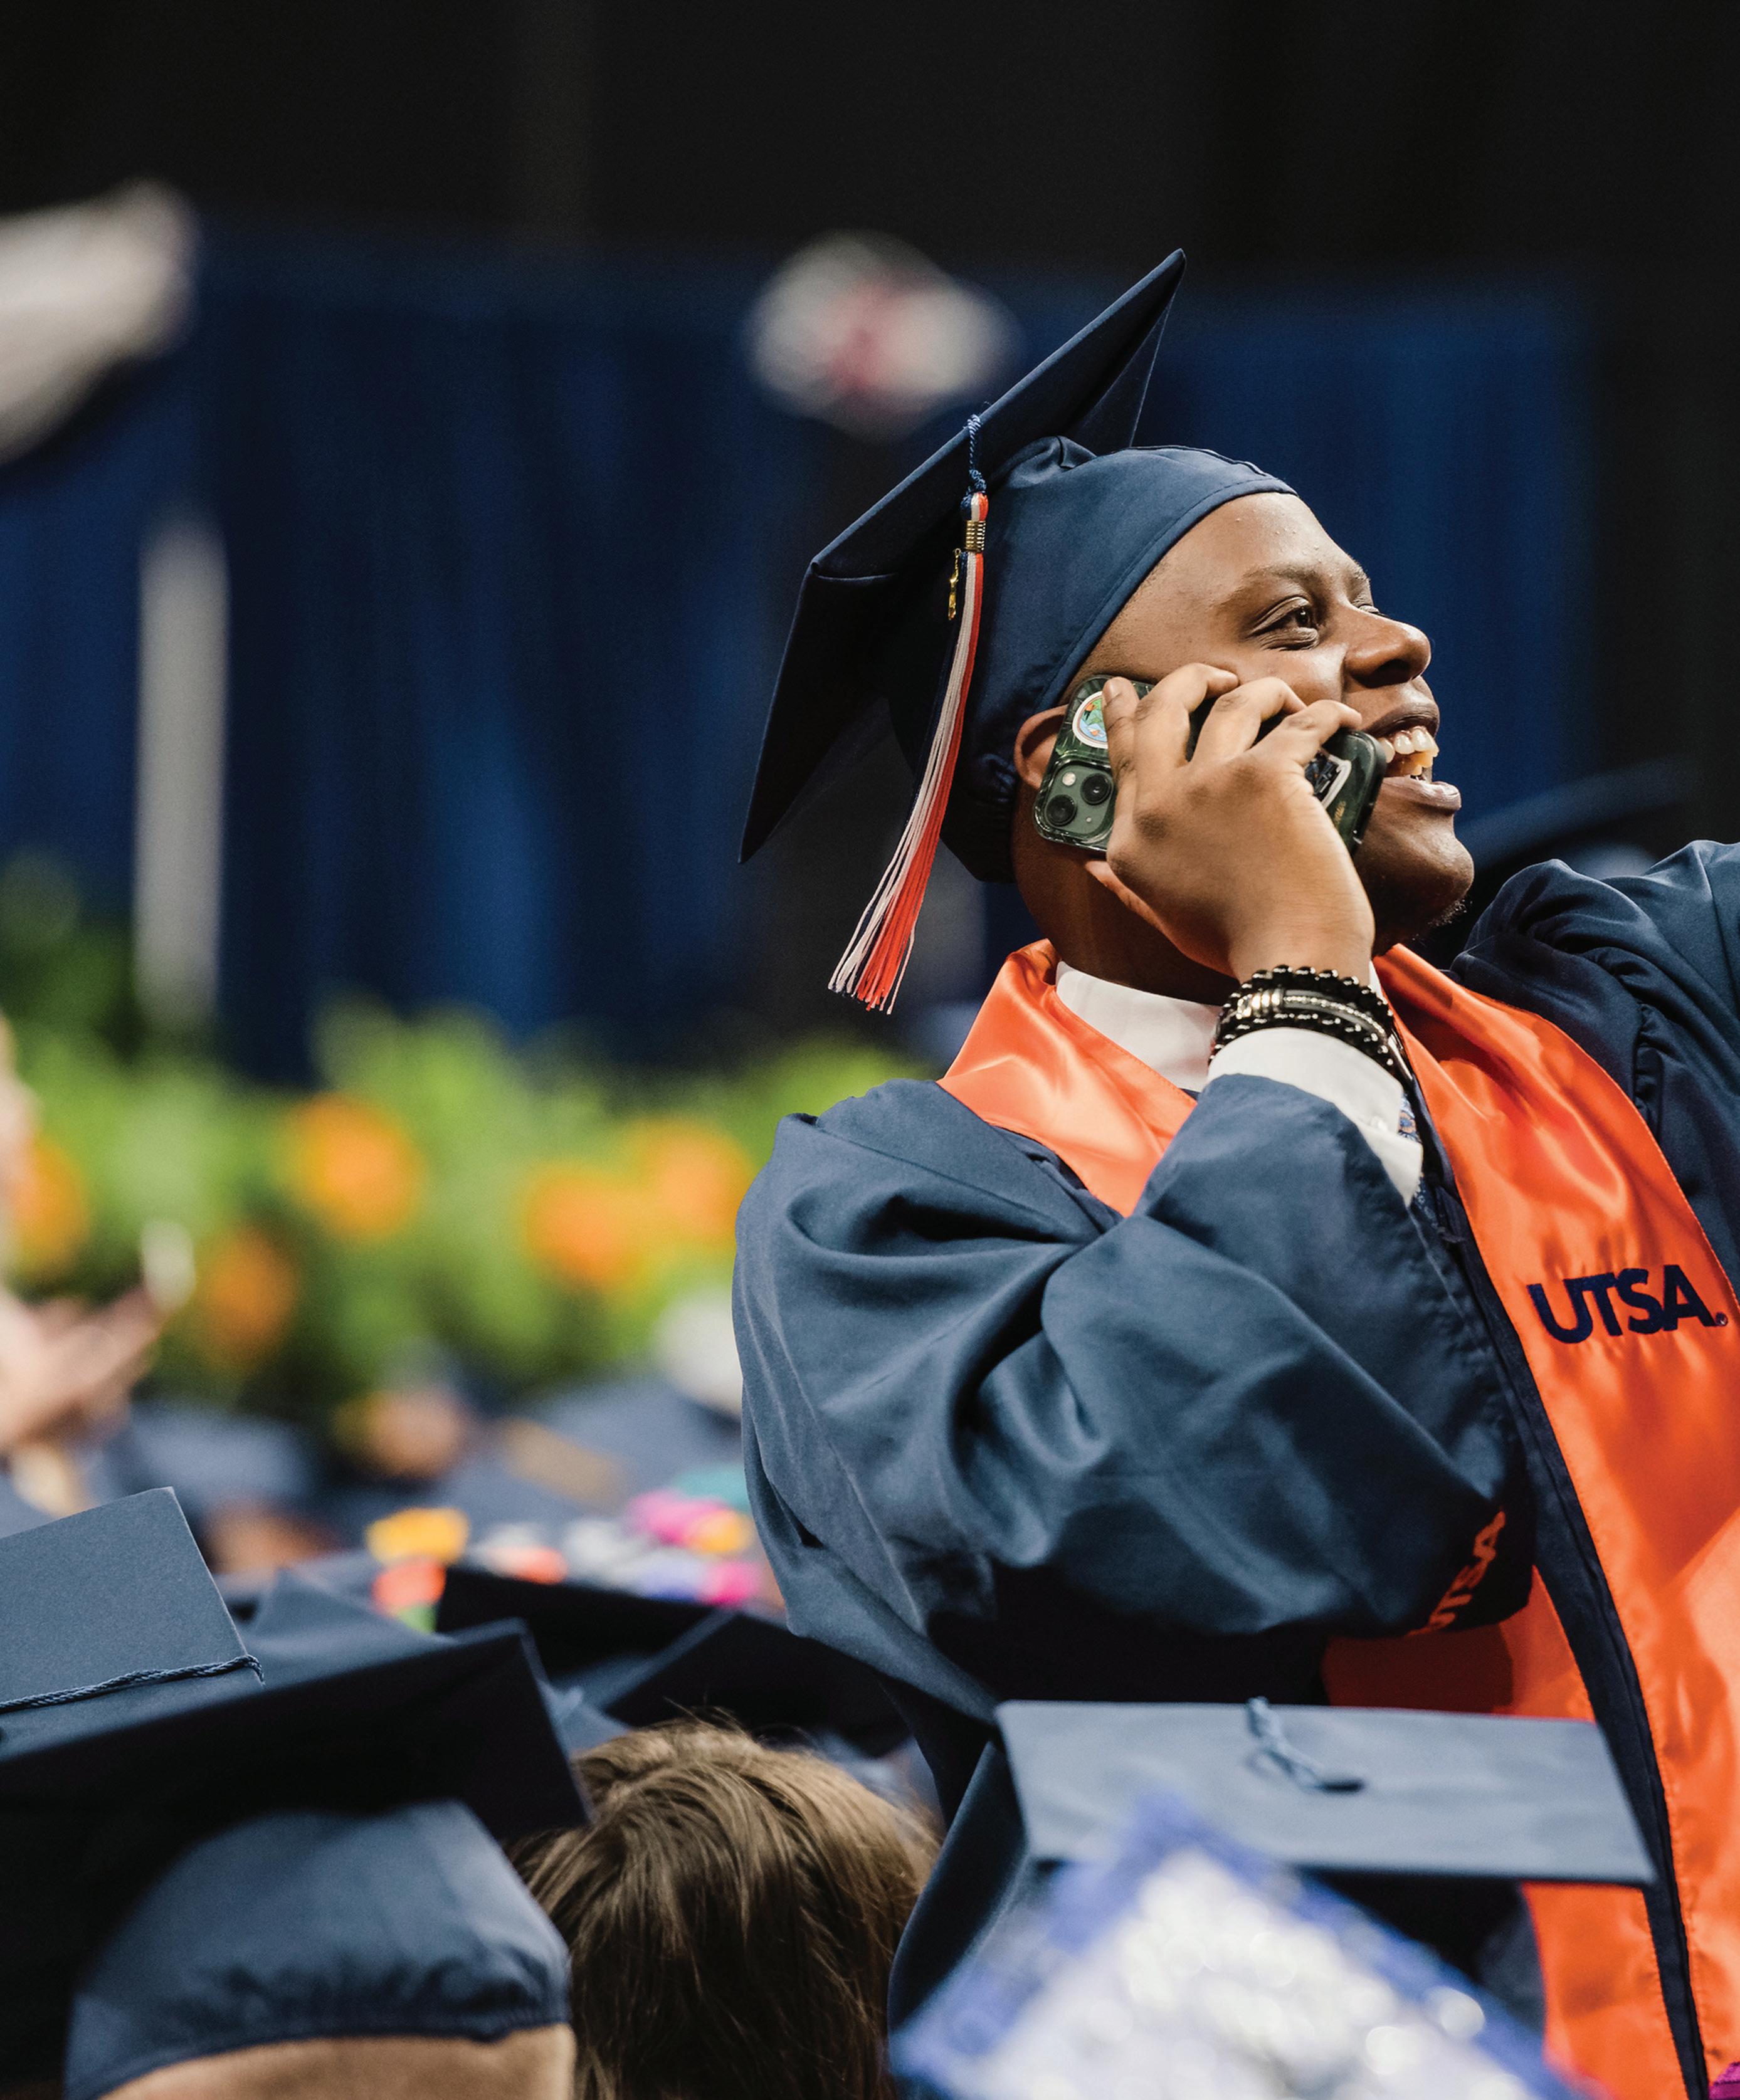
(1343, 1789)
(1432, 1821)
(307, 1925)
(969, 598)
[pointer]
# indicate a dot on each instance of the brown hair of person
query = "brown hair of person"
(732, 1912)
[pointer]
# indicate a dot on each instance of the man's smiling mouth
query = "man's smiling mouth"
(1408, 754)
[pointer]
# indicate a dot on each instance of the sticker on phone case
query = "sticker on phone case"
(1089, 725)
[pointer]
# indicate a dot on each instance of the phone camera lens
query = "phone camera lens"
(1096, 789)
(1060, 813)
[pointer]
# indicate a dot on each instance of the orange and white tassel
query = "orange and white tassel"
(875, 961)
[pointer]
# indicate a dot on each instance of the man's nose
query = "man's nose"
(1385, 652)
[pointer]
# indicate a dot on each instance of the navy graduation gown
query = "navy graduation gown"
(1003, 1442)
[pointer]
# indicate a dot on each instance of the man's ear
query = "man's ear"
(1033, 743)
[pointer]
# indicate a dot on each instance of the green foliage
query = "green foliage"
(443, 1198)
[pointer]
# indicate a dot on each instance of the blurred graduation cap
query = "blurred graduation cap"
(646, 1430)
(132, 1716)
(588, 1637)
(647, 1659)
(487, 1492)
(1340, 1789)
(968, 599)
(307, 1925)
(209, 1459)
(349, 1575)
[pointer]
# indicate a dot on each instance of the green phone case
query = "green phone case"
(1075, 798)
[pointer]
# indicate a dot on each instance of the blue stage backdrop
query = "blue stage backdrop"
(512, 547)
(503, 619)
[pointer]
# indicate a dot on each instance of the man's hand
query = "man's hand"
(1228, 852)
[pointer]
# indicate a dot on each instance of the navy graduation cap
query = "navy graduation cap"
(308, 1924)
(1334, 1788)
(116, 1599)
(968, 598)
(643, 1660)
(129, 1680)
(1432, 1820)
(133, 1718)
(589, 1638)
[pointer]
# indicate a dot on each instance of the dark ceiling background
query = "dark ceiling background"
(1367, 134)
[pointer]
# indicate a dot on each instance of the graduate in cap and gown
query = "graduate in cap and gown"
(216, 1843)
(1355, 1330)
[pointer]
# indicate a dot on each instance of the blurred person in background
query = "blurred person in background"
(731, 1914)
(1238, 1317)
(65, 1371)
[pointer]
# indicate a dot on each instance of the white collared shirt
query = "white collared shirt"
(1174, 1038)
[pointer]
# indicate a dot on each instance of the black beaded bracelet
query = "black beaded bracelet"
(1320, 1000)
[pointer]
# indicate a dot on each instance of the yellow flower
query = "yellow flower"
(354, 1168)
(697, 1176)
(50, 1218)
(243, 1300)
(720, 1531)
(415, 1534)
(590, 1229)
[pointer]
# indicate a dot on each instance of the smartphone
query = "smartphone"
(1075, 797)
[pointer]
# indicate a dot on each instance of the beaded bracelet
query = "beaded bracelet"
(1320, 1000)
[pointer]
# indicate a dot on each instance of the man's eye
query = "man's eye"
(1293, 621)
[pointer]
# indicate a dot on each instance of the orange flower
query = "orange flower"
(590, 1229)
(354, 1168)
(50, 1215)
(247, 1290)
(410, 1590)
(438, 1534)
(696, 1175)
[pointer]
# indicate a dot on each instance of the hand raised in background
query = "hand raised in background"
(66, 1371)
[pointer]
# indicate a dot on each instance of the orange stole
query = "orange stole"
(1030, 1064)
(1550, 1195)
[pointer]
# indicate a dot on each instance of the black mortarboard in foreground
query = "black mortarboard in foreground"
(307, 1925)
(968, 599)
(132, 1719)
(1344, 1789)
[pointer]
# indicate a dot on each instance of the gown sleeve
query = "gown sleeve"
(986, 1411)
(1644, 973)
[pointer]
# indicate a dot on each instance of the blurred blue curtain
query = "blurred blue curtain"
(512, 550)
(506, 594)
